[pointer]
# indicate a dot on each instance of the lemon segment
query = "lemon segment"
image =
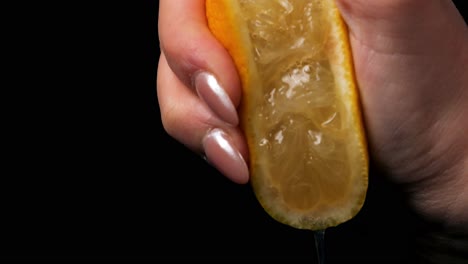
(300, 107)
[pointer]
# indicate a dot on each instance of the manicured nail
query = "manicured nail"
(222, 154)
(210, 91)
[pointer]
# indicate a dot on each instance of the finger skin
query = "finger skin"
(190, 47)
(198, 88)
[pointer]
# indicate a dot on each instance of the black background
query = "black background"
(88, 171)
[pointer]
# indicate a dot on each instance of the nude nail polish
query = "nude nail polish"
(222, 154)
(213, 94)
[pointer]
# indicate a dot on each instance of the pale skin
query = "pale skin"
(411, 61)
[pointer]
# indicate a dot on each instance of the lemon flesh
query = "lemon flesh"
(300, 110)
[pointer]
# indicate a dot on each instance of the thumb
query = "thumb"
(401, 26)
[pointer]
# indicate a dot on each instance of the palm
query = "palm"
(405, 95)
(410, 58)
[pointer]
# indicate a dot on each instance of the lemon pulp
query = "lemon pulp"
(300, 109)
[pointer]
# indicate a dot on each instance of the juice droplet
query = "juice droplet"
(320, 245)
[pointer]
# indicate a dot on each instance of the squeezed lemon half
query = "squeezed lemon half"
(300, 108)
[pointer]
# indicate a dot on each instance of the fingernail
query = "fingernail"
(210, 91)
(222, 154)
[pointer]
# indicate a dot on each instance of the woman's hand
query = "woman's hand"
(199, 88)
(411, 61)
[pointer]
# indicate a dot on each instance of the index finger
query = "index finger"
(190, 48)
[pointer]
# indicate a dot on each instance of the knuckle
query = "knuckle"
(169, 119)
